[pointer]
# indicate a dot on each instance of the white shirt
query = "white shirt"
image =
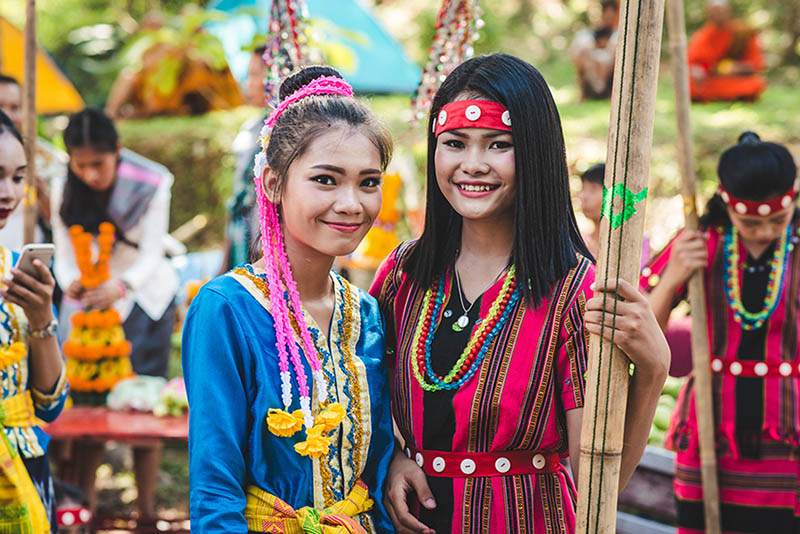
(146, 270)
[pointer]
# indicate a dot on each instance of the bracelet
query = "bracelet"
(48, 330)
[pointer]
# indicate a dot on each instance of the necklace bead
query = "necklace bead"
(476, 349)
(754, 320)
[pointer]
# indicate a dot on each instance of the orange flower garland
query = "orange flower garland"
(93, 273)
(97, 351)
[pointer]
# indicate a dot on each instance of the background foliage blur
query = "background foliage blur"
(93, 40)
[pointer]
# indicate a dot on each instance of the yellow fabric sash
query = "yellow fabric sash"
(21, 509)
(267, 513)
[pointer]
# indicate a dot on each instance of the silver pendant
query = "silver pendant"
(461, 323)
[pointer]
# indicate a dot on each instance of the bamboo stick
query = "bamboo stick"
(628, 161)
(29, 122)
(697, 295)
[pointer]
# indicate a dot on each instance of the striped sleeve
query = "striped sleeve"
(383, 287)
(48, 406)
(573, 348)
(388, 278)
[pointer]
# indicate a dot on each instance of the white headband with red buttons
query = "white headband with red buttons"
(472, 114)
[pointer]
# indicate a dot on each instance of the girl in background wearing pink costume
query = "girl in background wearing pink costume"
(752, 274)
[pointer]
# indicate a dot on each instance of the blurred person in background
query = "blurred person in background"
(106, 182)
(50, 162)
(725, 58)
(592, 51)
(242, 229)
(33, 386)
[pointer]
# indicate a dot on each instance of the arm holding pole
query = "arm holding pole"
(621, 229)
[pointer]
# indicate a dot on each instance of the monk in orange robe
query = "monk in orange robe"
(725, 58)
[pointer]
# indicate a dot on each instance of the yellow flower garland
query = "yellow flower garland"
(284, 424)
(12, 354)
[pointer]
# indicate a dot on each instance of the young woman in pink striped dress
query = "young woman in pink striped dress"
(752, 271)
(489, 314)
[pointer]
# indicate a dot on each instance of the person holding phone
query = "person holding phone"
(33, 382)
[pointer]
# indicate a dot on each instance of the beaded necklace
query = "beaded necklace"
(478, 345)
(754, 320)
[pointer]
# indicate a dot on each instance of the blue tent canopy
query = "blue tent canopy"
(374, 62)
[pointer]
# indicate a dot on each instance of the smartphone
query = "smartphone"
(40, 251)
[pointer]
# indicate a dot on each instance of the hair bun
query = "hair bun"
(749, 138)
(304, 76)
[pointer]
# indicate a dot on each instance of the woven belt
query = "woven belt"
(484, 464)
(753, 368)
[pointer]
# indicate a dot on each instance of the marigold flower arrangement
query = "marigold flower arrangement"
(97, 351)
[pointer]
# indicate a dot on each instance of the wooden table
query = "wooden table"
(100, 424)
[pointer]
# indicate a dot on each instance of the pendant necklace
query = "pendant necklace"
(463, 320)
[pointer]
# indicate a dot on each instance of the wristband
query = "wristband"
(48, 330)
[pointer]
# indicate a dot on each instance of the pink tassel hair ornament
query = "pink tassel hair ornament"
(279, 272)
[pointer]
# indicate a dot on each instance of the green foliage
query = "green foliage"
(197, 150)
(183, 33)
(84, 36)
(540, 31)
(172, 490)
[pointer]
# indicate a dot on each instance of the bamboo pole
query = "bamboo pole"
(627, 169)
(29, 122)
(697, 295)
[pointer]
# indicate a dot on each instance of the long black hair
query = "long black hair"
(82, 205)
(752, 170)
(546, 236)
(7, 125)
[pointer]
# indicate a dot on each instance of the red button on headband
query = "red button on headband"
(763, 208)
(472, 114)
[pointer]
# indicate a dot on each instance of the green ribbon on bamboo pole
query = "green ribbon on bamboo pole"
(629, 200)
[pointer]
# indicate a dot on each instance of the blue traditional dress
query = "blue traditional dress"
(22, 432)
(230, 365)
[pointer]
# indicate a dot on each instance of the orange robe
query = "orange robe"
(710, 46)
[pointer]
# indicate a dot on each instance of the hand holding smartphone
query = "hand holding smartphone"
(30, 287)
(41, 251)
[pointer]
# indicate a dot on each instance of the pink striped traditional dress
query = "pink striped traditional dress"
(491, 448)
(756, 395)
